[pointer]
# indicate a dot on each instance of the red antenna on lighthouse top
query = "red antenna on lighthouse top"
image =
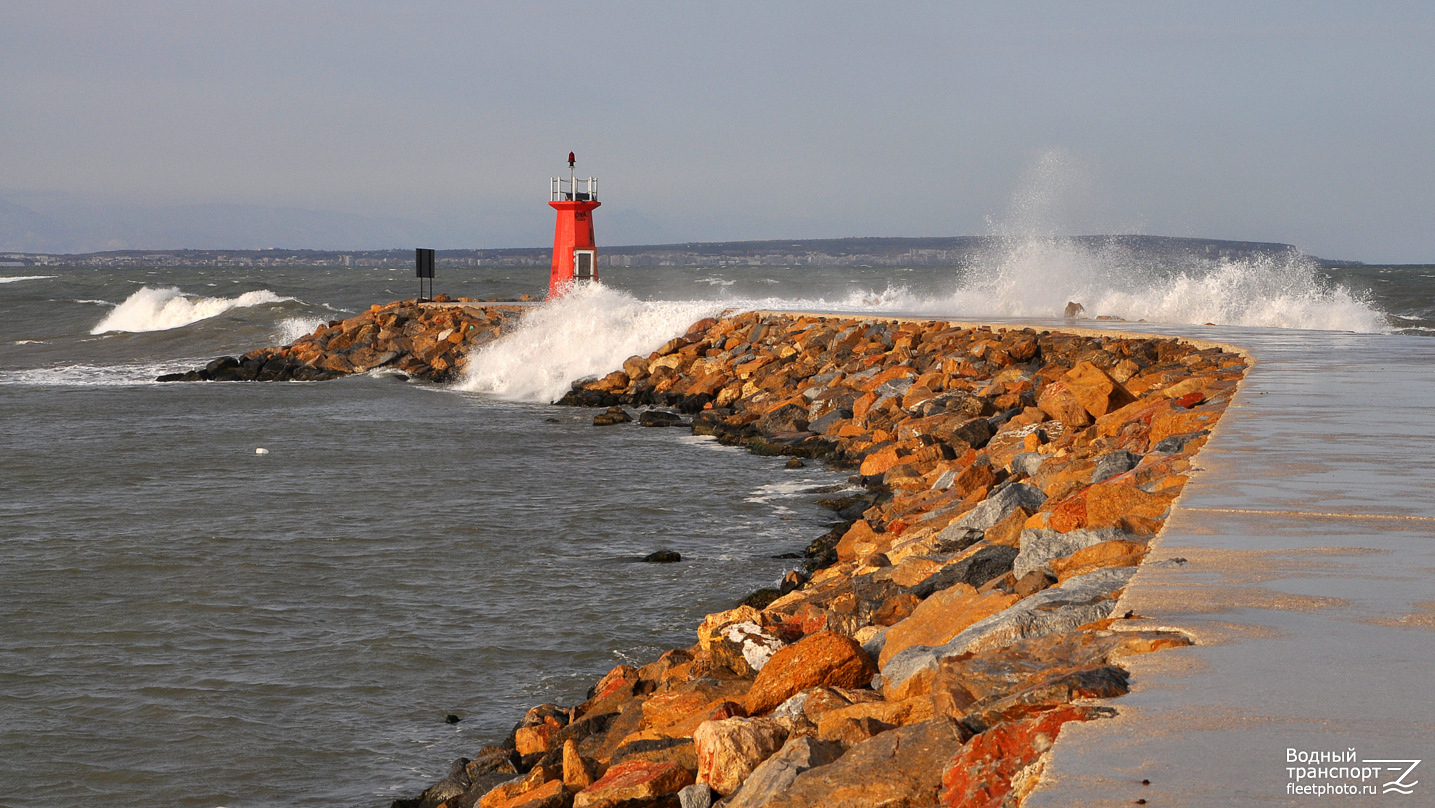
(571, 161)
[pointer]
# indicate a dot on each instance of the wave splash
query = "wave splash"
(160, 309)
(292, 328)
(1037, 276)
(1034, 277)
(1032, 269)
(587, 332)
(593, 329)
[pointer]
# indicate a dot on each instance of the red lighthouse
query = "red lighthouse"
(575, 257)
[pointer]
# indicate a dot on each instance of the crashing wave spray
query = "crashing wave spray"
(161, 309)
(587, 332)
(292, 328)
(1031, 270)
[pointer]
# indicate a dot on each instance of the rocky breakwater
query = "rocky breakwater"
(429, 340)
(929, 651)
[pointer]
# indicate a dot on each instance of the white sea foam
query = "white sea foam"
(1035, 277)
(159, 309)
(785, 489)
(587, 332)
(79, 375)
(18, 278)
(710, 443)
(293, 328)
(1032, 271)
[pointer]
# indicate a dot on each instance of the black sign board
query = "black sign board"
(423, 260)
(423, 268)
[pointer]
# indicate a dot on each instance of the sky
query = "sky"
(354, 124)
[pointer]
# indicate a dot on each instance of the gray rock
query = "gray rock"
(455, 784)
(822, 423)
(1177, 443)
(787, 418)
(896, 387)
(955, 539)
(659, 418)
(772, 777)
(944, 481)
(864, 375)
(998, 506)
(698, 795)
(976, 569)
(874, 644)
(1114, 463)
(1080, 600)
(1040, 545)
(975, 432)
(793, 707)
(1028, 463)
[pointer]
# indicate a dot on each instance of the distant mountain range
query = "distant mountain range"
(939, 251)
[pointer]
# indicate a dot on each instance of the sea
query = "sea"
(277, 594)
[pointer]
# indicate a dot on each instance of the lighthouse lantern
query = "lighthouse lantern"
(575, 255)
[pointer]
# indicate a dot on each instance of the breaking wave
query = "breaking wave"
(1033, 278)
(587, 332)
(1037, 277)
(292, 328)
(160, 309)
(18, 278)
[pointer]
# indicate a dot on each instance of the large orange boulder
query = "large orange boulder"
(1060, 404)
(859, 540)
(549, 795)
(634, 781)
(1181, 421)
(1097, 391)
(1108, 503)
(1105, 555)
(943, 616)
(823, 659)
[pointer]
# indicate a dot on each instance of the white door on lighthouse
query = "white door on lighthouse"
(583, 261)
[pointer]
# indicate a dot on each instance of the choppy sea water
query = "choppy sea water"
(183, 621)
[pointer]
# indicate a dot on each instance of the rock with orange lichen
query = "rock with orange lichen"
(634, 782)
(1097, 391)
(822, 659)
(982, 773)
(943, 616)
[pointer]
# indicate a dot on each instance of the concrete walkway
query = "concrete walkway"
(1308, 583)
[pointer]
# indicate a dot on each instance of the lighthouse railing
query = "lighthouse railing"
(568, 190)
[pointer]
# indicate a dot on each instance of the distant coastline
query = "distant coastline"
(872, 251)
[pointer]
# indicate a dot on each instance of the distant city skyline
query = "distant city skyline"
(367, 125)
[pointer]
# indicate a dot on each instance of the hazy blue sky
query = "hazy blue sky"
(1305, 122)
